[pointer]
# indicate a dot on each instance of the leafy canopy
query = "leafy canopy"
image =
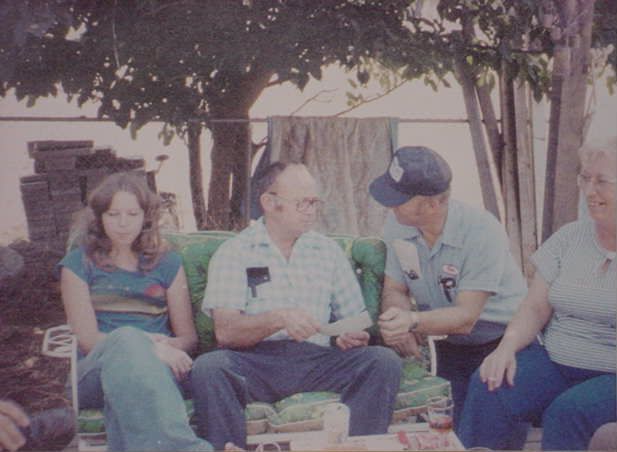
(180, 60)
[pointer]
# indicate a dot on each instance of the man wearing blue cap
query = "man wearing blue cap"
(452, 259)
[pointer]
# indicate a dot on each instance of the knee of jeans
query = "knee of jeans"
(562, 409)
(127, 338)
(385, 358)
(211, 364)
(477, 391)
(475, 382)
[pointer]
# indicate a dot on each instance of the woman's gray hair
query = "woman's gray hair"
(592, 149)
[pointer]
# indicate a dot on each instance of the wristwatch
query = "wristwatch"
(415, 321)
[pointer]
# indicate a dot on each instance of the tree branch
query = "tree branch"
(114, 36)
(311, 99)
(377, 97)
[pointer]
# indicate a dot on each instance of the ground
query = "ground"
(30, 303)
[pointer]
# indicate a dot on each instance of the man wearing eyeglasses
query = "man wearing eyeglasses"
(463, 278)
(270, 290)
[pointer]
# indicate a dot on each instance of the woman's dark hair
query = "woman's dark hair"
(148, 244)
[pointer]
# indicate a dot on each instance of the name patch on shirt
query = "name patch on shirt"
(256, 276)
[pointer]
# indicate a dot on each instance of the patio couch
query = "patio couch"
(299, 412)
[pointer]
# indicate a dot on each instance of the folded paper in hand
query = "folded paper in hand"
(357, 322)
(407, 255)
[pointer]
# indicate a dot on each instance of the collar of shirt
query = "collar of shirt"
(261, 239)
(452, 234)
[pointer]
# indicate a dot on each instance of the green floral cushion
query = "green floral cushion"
(304, 412)
(196, 250)
(257, 415)
(367, 256)
(259, 410)
(413, 394)
(92, 421)
(413, 369)
(301, 412)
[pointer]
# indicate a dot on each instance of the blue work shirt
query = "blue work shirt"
(472, 253)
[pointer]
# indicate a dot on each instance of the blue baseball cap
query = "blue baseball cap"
(414, 170)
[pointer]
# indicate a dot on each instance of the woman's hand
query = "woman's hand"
(179, 361)
(499, 364)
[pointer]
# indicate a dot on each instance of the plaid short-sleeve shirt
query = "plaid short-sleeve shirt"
(249, 273)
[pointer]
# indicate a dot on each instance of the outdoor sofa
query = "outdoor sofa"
(297, 413)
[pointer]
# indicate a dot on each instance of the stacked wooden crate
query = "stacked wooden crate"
(66, 172)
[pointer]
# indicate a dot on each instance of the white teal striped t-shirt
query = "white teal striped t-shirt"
(582, 293)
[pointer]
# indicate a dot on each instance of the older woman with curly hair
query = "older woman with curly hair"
(569, 380)
(126, 299)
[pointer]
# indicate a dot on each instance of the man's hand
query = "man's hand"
(179, 361)
(11, 418)
(409, 347)
(394, 325)
(299, 324)
(352, 339)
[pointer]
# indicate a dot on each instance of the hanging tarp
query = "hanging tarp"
(344, 155)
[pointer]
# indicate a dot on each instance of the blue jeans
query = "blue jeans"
(572, 403)
(224, 381)
(142, 402)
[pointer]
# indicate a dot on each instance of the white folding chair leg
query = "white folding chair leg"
(74, 396)
(60, 342)
(433, 352)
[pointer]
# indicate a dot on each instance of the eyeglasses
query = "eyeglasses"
(601, 183)
(302, 205)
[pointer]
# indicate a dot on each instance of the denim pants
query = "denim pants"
(224, 381)
(572, 403)
(142, 403)
(456, 363)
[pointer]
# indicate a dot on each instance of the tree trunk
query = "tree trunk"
(491, 126)
(518, 170)
(232, 151)
(196, 174)
(566, 122)
(525, 176)
(229, 178)
(489, 165)
(484, 160)
(509, 171)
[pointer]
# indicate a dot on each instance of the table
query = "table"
(419, 438)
